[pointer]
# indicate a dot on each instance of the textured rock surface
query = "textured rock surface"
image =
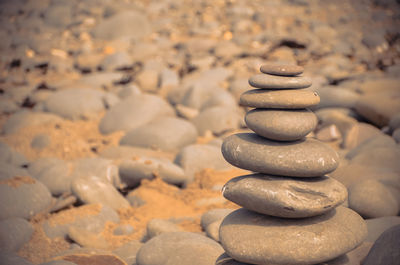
(279, 99)
(281, 125)
(285, 197)
(281, 70)
(259, 239)
(304, 158)
(278, 82)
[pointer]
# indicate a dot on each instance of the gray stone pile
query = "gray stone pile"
(292, 212)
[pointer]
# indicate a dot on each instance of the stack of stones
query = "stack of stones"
(291, 211)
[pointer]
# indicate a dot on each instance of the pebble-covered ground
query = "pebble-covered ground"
(112, 116)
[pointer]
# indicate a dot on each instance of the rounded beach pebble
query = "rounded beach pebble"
(285, 197)
(179, 248)
(14, 232)
(283, 70)
(260, 239)
(279, 99)
(281, 125)
(23, 196)
(372, 199)
(279, 82)
(164, 133)
(303, 158)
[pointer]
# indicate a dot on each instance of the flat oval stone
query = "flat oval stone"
(254, 238)
(164, 133)
(179, 248)
(279, 82)
(281, 125)
(372, 199)
(92, 189)
(302, 158)
(285, 197)
(279, 99)
(23, 196)
(14, 233)
(284, 70)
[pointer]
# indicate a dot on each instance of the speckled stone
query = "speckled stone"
(253, 238)
(283, 70)
(279, 82)
(281, 125)
(302, 158)
(279, 99)
(285, 197)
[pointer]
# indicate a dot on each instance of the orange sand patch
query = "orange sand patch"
(68, 139)
(163, 201)
(17, 181)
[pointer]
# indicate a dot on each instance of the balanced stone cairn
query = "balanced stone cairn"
(291, 211)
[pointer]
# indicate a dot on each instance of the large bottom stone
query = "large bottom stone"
(260, 239)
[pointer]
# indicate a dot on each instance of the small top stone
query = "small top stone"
(279, 82)
(283, 70)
